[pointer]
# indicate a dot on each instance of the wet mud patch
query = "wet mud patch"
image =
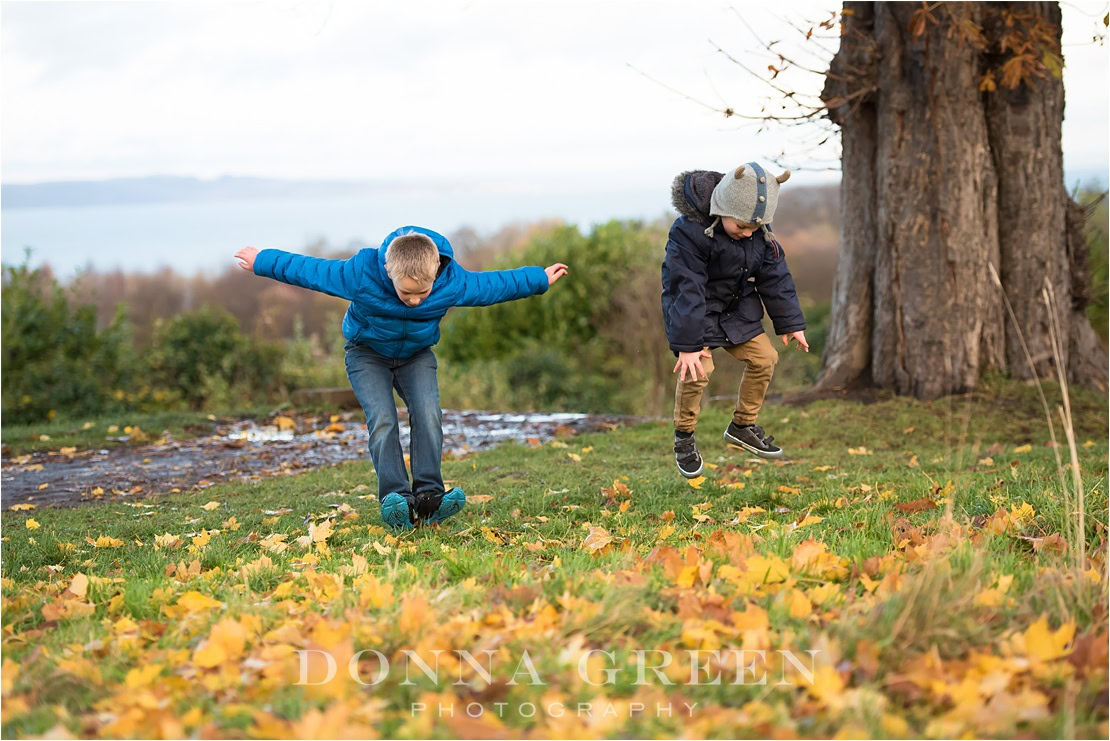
(248, 449)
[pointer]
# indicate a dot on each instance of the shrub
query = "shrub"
(562, 352)
(202, 357)
(54, 358)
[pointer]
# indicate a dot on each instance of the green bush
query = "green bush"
(309, 362)
(532, 378)
(571, 314)
(54, 358)
(566, 350)
(202, 357)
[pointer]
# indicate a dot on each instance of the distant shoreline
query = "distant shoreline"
(169, 189)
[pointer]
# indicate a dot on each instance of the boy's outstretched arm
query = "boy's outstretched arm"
(495, 286)
(334, 277)
(775, 286)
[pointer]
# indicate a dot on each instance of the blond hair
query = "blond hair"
(412, 256)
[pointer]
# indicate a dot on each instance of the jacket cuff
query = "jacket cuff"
(789, 328)
(538, 275)
(264, 263)
(687, 348)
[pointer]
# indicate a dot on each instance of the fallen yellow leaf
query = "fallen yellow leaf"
(809, 520)
(800, 606)
(1046, 645)
(195, 602)
(80, 585)
(209, 654)
(142, 676)
(597, 539)
(745, 514)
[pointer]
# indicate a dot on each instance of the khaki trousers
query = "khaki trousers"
(760, 357)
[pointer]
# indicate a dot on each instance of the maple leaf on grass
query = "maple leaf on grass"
(597, 540)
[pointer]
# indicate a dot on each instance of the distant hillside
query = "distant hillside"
(169, 189)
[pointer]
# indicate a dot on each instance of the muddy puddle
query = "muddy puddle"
(246, 450)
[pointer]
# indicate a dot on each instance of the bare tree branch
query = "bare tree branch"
(778, 54)
(726, 112)
(789, 94)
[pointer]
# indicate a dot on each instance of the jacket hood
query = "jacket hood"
(691, 191)
(441, 242)
(446, 253)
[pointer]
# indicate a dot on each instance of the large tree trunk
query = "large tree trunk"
(940, 181)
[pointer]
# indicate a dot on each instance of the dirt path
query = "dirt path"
(246, 450)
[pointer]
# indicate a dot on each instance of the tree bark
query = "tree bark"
(1025, 131)
(941, 180)
(847, 356)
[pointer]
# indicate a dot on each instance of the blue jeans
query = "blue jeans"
(373, 377)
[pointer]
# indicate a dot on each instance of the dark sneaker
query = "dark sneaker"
(397, 511)
(752, 438)
(687, 457)
(427, 502)
(434, 508)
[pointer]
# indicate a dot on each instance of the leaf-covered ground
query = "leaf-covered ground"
(920, 553)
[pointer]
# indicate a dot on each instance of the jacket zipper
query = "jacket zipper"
(404, 334)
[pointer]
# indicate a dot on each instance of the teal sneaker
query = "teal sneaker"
(450, 503)
(396, 511)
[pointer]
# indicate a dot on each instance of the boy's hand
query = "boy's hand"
(691, 362)
(800, 336)
(555, 272)
(246, 257)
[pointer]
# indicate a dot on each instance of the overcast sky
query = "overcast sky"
(535, 94)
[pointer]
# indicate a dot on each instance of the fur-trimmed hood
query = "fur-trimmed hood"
(690, 193)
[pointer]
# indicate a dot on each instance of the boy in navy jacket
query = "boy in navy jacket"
(398, 294)
(723, 266)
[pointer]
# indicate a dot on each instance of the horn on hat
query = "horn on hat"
(780, 179)
(739, 172)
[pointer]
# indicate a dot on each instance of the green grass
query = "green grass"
(512, 573)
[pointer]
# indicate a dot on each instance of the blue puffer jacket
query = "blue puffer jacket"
(377, 317)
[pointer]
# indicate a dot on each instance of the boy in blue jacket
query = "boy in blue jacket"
(398, 294)
(723, 266)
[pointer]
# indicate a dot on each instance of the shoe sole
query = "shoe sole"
(395, 512)
(755, 451)
(693, 475)
(451, 504)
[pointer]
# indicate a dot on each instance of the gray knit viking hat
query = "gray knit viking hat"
(746, 194)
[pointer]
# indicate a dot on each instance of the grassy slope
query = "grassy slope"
(907, 614)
